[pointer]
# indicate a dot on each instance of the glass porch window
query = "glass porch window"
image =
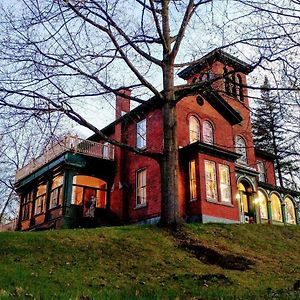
(40, 199)
(225, 187)
(263, 206)
(290, 211)
(276, 208)
(210, 180)
(56, 195)
(26, 206)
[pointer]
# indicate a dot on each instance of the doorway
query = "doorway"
(247, 204)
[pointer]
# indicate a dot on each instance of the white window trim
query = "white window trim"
(228, 185)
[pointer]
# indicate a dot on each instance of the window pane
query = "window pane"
(276, 208)
(193, 182)
(262, 171)
(225, 187)
(208, 136)
(290, 211)
(210, 180)
(57, 181)
(41, 190)
(141, 134)
(194, 128)
(141, 187)
(240, 148)
(77, 195)
(262, 200)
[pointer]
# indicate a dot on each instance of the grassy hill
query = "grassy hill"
(145, 262)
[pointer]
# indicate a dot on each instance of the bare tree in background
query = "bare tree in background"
(23, 137)
(58, 54)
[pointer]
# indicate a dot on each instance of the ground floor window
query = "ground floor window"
(193, 180)
(210, 180)
(56, 195)
(40, 200)
(90, 192)
(26, 206)
(290, 211)
(225, 187)
(276, 208)
(141, 188)
(263, 205)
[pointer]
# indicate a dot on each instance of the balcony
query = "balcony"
(67, 144)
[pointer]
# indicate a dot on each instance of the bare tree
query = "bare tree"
(57, 54)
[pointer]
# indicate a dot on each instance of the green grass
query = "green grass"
(145, 262)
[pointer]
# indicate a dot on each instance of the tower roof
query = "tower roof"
(215, 55)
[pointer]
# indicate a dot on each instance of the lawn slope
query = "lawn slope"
(145, 262)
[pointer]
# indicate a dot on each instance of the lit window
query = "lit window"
(290, 211)
(240, 88)
(40, 199)
(225, 188)
(240, 148)
(141, 134)
(56, 195)
(210, 180)
(263, 207)
(194, 129)
(262, 171)
(193, 181)
(141, 188)
(276, 208)
(208, 133)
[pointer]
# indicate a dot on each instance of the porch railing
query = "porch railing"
(67, 144)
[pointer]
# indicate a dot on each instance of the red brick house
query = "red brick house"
(222, 177)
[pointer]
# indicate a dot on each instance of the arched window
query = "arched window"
(208, 133)
(240, 148)
(194, 126)
(276, 208)
(290, 211)
(240, 88)
(210, 75)
(226, 80)
(263, 207)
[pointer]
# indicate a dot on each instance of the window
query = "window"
(240, 88)
(193, 180)
(40, 199)
(208, 133)
(26, 206)
(240, 148)
(194, 129)
(262, 171)
(226, 81)
(225, 188)
(56, 195)
(105, 150)
(290, 211)
(233, 85)
(210, 181)
(210, 75)
(276, 208)
(263, 207)
(141, 134)
(141, 188)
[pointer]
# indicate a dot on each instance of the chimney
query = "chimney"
(122, 104)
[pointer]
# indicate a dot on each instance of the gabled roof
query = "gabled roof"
(215, 55)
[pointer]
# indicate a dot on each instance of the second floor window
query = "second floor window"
(194, 127)
(141, 134)
(240, 148)
(262, 171)
(141, 188)
(208, 133)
